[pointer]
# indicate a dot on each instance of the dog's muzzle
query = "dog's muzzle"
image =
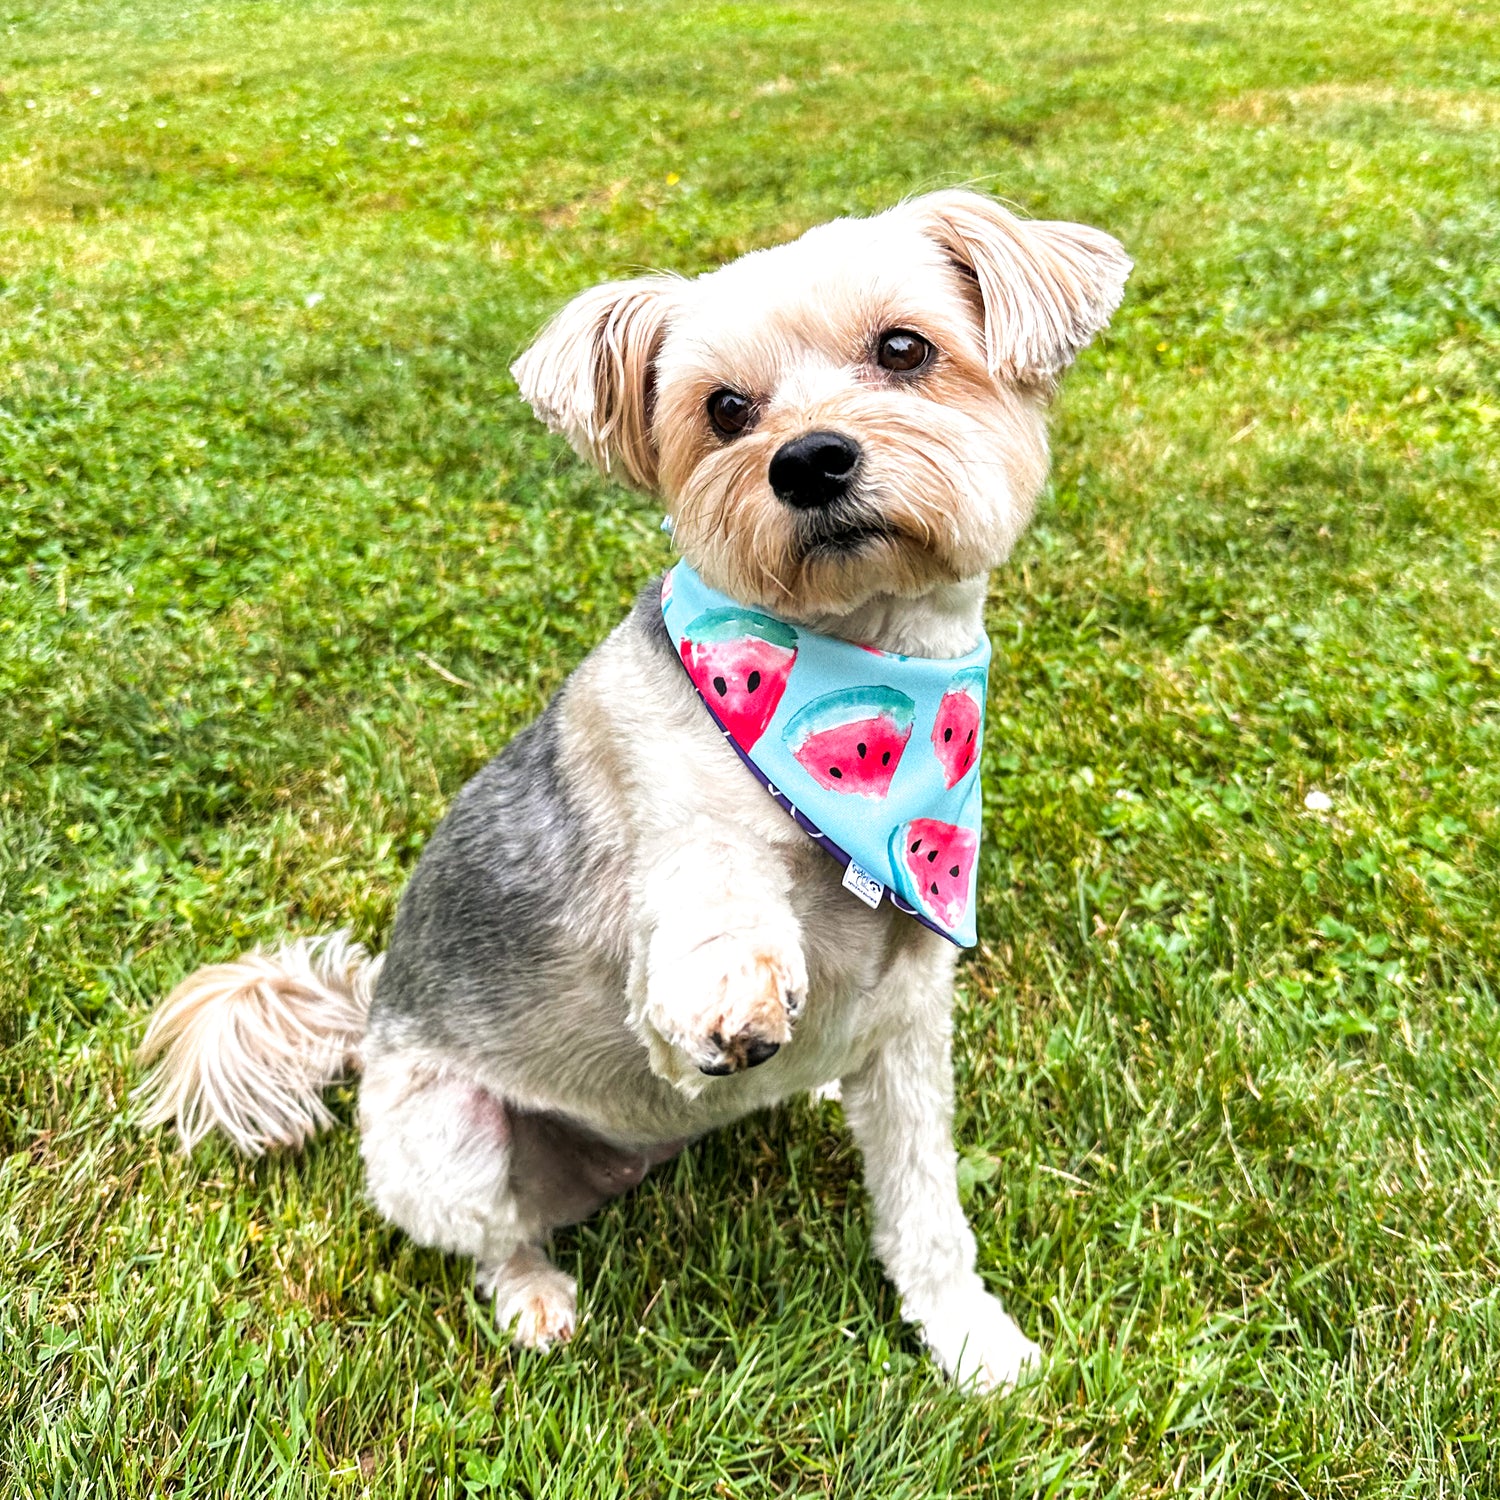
(813, 470)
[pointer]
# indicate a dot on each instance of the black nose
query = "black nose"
(813, 469)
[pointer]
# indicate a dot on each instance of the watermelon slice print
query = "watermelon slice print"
(933, 864)
(852, 741)
(956, 731)
(740, 662)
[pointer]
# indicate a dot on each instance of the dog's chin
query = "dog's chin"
(841, 561)
(840, 534)
(812, 563)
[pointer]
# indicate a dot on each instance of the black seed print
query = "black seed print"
(947, 734)
(970, 739)
(885, 759)
(753, 681)
(954, 872)
(720, 686)
(837, 774)
(933, 888)
(916, 846)
(931, 855)
(861, 750)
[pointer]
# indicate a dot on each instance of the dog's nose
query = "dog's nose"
(813, 469)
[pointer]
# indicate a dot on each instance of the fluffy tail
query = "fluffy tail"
(248, 1047)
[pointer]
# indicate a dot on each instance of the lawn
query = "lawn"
(283, 559)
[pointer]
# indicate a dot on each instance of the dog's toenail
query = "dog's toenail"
(758, 1052)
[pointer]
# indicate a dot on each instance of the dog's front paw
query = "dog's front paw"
(976, 1341)
(726, 1003)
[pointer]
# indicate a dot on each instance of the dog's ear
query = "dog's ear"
(589, 375)
(1045, 288)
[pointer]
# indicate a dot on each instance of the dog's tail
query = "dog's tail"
(248, 1047)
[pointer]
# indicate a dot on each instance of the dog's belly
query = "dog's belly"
(562, 1173)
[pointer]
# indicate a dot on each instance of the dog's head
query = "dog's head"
(859, 412)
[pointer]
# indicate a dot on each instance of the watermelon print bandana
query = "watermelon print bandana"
(875, 755)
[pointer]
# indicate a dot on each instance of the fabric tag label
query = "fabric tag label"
(863, 884)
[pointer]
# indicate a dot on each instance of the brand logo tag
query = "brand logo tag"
(863, 884)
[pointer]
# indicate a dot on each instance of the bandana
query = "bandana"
(875, 755)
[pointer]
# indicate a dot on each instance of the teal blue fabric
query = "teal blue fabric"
(875, 755)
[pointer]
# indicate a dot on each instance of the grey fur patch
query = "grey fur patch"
(487, 908)
(501, 914)
(646, 613)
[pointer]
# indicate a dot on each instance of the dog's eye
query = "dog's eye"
(730, 412)
(903, 351)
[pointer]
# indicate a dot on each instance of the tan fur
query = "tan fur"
(1046, 288)
(588, 375)
(247, 1047)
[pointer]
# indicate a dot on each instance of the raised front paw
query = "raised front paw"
(727, 1002)
(976, 1341)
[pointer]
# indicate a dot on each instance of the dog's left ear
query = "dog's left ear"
(589, 374)
(1045, 287)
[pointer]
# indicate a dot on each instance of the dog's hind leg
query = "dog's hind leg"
(460, 1169)
(440, 1154)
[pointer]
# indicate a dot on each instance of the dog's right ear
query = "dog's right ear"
(589, 375)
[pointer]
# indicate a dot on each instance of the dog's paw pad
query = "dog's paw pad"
(729, 1004)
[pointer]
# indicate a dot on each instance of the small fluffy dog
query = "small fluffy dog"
(615, 941)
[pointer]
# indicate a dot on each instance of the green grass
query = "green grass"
(1228, 1103)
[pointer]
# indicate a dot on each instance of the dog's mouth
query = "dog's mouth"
(839, 530)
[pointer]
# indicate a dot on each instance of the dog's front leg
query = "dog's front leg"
(718, 975)
(900, 1108)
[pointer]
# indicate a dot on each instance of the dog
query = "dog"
(615, 942)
